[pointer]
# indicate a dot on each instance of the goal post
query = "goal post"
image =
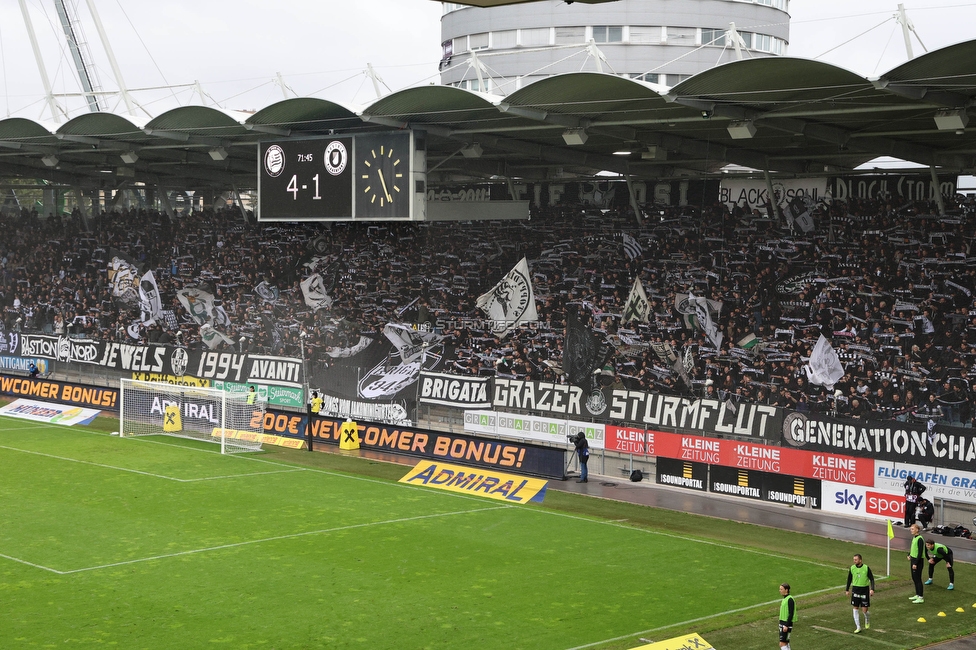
(157, 408)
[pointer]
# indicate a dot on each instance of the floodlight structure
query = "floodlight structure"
(473, 150)
(574, 137)
(218, 153)
(50, 160)
(951, 120)
(742, 130)
(129, 157)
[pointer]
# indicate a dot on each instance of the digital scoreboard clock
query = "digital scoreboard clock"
(367, 176)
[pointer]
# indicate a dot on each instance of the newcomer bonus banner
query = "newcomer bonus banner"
(468, 480)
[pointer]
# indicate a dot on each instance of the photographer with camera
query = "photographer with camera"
(583, 451)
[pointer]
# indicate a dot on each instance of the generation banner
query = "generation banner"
(706, 416)
(451, 447)
(899, 442)
(454, 390)
(165, 360)
(527, 427)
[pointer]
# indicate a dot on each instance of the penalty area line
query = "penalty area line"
(276, 538)
(699, 619)
(866, 637)
(31, 564)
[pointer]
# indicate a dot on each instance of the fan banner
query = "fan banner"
(901, 442)
(454, 390)
(707, 416)
(165, 359)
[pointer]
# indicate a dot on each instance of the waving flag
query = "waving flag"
(638, 307)
(510, 302)
(824, 367)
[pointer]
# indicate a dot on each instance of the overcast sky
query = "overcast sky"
(235, 48)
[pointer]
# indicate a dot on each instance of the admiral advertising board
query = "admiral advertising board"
(705, 416)
(900, 442)
(527, 427)
(165, 360)
(456, 448)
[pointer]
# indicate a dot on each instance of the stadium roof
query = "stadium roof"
(791, 116)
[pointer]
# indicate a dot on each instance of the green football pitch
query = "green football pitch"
(163, 543)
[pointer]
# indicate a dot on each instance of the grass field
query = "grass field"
(163, 543)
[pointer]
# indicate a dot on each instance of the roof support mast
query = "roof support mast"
(79, 52)
(111, 57)
(51, 102)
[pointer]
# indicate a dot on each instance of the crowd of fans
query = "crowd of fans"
(890, 285)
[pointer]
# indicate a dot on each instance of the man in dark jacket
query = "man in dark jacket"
(913, 490)
(583, 451)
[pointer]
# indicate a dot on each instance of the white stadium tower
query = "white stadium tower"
(501, 49)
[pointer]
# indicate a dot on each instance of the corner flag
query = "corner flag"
(891, 532)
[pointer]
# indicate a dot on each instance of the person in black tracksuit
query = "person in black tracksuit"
(913, 490)
(939, 553)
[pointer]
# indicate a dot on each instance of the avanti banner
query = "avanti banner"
(165, 360)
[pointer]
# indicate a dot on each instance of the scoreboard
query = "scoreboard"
(368, 177)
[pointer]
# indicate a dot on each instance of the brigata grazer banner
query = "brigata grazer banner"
(890, 440)
(165, 359)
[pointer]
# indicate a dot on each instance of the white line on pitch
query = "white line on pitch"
(160, 476)
(866, 637)
(280, 537)
(31, 564)
(698, 620)
(88, 462)
(733, 547)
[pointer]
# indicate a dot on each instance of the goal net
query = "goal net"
(155, 408)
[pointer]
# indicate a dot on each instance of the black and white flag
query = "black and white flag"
(704, 316)
(638, 307)
(267, 292)
(824, 367)
(632, 247)
(511, 302)
(315, 293)
(149, 299)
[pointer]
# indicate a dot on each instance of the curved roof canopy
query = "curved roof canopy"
(790, 116)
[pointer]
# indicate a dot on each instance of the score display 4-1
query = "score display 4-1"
(305, 180)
